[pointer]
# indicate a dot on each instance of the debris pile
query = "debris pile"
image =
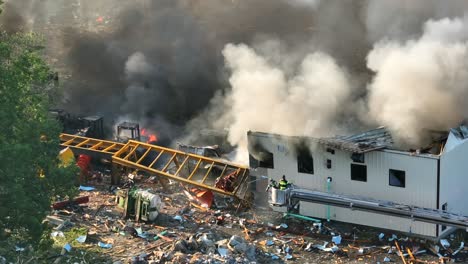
(186, 231)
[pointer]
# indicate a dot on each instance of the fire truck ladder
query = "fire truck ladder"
(216, 175)
(416, 213)
(90, 144)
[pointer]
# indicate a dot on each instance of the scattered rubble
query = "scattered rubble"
(186, 232)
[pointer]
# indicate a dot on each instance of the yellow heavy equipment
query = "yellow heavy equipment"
(217, 175)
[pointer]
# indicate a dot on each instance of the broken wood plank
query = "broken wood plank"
(247, 235)
(164, 238)
(120, 251)
(400, 253)
(55, 220)
(199, 207)
(63, 204)
(121, 223)
(410, 254)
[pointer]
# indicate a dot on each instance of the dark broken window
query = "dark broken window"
(267, 160)
(330, 150)
(444, 207)
(358, 172)
(397, 178)
(305, 162)
(259, 156)
(329, 163)
(253, 163)
(357, 157)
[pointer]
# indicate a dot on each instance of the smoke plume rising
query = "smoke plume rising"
(302, 67)
(417, 83)
(263, 98)
(95, 44)
(421, 84)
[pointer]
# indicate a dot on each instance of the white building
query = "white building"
(368, 165)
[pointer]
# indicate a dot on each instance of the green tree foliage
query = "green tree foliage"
(29, 142)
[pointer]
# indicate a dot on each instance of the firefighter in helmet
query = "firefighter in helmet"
(272, 184)
(283, 184)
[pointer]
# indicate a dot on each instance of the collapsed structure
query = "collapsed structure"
(411, 191)
(219, 176)
(335, 178)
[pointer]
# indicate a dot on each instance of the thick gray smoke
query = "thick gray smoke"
(99, 44)
(418, 78)
(421, 84)
(402, 20)
(296, 67)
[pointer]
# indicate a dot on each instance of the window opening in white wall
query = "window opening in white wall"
(305, 162)
(357, 157)
(397, 178)
(358, 172)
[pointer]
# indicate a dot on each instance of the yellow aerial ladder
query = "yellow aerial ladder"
(212, 174)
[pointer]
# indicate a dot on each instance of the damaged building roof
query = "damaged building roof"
(460, 132)
(374, 139)
(381, 138)
(456, 137)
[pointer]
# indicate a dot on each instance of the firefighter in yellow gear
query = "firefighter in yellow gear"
(283, 184)
(272, 184)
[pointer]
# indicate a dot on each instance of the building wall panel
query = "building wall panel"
(366, 218)
(454, 179)
(420, 181)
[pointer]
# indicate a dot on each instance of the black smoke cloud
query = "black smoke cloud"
(156, 67)
(178, 41)
(160, 62)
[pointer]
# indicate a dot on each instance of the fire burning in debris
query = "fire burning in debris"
(150, 137)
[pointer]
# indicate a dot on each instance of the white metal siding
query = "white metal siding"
(454, 179)
(369, 219)
(420, 181)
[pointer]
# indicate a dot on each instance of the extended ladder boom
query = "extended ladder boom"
(213, 174)
(382, 207)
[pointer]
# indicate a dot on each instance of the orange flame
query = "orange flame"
(151, 137)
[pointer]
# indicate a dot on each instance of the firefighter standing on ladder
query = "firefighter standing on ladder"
(283, 184)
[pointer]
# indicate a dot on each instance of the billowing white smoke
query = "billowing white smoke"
(305, 3)
(421, 84)
(263, 98)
